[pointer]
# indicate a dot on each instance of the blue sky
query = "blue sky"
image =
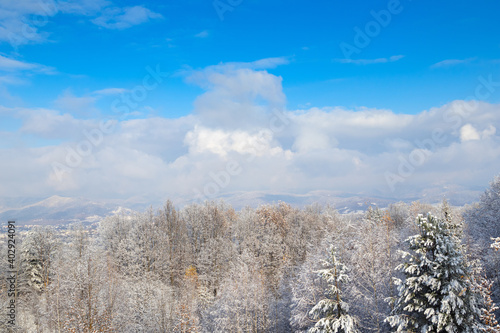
(425, 33)
(70, 60)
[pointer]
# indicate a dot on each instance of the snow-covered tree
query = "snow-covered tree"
(332, 312)
(482, 219)
(488, 318)
(37, 253)
(437, 293)
(496, 243)
(452, 219)
(372, 262)
(484, 287)
(307, 287)
(242, 303)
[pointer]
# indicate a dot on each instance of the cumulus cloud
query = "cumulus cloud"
(222, 142)
(237, 97)
(311, 139)
(468, 133)
(241, 120)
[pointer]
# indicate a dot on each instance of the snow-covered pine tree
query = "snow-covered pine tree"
(32, 265)
(455, 224)
(436, 294)
(37, 253)
(331, 311)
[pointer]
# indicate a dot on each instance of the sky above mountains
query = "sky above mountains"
(122, 99)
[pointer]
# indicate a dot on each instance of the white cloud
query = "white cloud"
(8, 100)
(23, 22)
(489, 132)
(13, 65)
(123, 18)
(222, 142)
(16, 25)
(452, 62)
(82, 7)
(237, 97)
(370, 61)
(331, 148)
(83, 105)
(398, 144)
(262, 64)
(50, 124)
(267, 63)
(353, 129)
(468, 133)
(110, 91)
(17, 72)
(11, 80)
(313, 139)
(203, 34)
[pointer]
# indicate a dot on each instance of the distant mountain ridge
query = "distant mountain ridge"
(57, 209)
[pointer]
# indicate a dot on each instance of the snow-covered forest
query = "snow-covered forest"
(208, 268)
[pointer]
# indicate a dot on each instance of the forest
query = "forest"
(410, 267)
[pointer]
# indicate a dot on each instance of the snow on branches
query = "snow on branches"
(436, 294)
(332, 311)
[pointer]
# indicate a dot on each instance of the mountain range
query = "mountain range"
(56, 209)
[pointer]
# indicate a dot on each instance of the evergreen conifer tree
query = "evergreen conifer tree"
(332, 311)
(436, 294)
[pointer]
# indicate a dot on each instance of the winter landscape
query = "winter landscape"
(249, 166)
